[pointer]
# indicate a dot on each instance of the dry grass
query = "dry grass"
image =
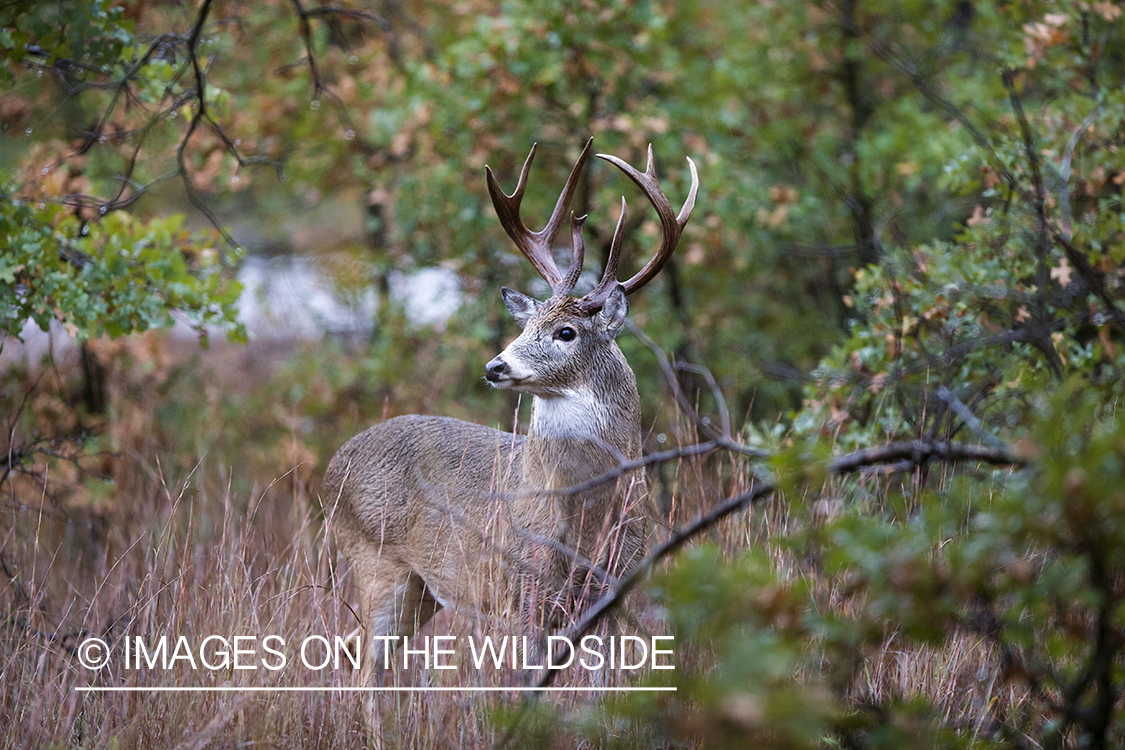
(196, 561)
(171, 549)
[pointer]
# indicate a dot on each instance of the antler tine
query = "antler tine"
(597, 296)
(536, 246)
(671, 224)
(578, 254)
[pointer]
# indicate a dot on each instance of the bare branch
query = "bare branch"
(920, 451)
(671, 454)
(716, 393)
(965, 413)
(197, 117)
(1064, 170)
(703, 425)
(319, 87)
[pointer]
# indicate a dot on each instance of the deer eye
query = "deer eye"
(566, 333)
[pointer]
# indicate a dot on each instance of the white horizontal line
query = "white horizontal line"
(423, 689)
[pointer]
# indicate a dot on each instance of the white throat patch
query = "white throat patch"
(576, 413)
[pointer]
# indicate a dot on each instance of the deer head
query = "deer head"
(567, 341)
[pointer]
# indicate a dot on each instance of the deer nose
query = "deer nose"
(495, 370)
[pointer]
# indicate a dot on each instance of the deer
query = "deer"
(427, 508)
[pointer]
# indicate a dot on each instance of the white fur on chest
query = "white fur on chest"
(576, 413)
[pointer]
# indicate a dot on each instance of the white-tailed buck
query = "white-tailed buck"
(433, 512)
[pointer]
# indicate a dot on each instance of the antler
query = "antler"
(671, 224)
(536, 246)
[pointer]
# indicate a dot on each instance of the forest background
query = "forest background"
(893, 323)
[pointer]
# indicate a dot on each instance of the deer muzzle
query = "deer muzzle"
(496, 370)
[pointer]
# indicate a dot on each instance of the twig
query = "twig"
(965, 413)
(196, 118)
(716, 393)
(319, 87)
(1035, 199)
(919, 451)
(1064, 170)
(687, 451)
(703, 425)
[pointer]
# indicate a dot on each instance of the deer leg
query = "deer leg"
(417, 606)
(375, 578)
(377, 594)
(395, 603)
(393, 607)
(532, 608)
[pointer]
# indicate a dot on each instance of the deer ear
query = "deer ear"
(611, 318)
(519, 305)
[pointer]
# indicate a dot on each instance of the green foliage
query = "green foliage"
(1028, 566)
(119, 276)
(93, 31)
(97, 270)
(1027, 287)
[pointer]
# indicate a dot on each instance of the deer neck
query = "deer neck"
(587, 430)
